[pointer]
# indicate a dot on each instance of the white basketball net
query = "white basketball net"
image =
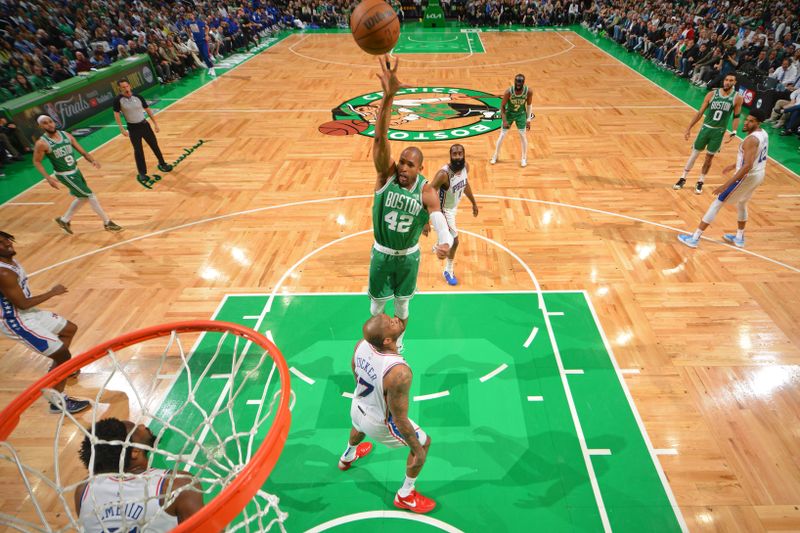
(192, 435)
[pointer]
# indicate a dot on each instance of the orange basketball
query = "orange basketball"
(343, 127)
(375, 26)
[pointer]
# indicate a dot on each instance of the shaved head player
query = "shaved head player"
(404, 202)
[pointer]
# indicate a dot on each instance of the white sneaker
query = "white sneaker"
(523, 163)
(212, 72)
(493, 160)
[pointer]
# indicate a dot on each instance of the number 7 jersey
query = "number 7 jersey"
(398, 214)
(371, 367)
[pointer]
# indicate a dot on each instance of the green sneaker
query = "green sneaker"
(111, 226)
(64, 225)
(144, 180)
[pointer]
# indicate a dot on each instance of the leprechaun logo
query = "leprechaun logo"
(420, 114)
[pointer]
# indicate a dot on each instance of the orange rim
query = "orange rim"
(220, 511)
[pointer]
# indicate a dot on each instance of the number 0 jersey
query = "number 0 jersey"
(398, 214)
(371, 366)
(60, 152)
(720, 109)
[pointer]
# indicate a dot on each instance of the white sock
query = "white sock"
(740, 234)
(701, 178)
(524, 139)
(97, 209)
(408, 486)
(349, 454)
(503, 134)
(448, 266)
(76, 204)
(697, 234)
(690, 163)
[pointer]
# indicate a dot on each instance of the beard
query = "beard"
(457, 165)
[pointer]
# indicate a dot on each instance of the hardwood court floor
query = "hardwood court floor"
(713, 332)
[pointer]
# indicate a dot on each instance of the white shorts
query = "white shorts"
(36, 329)
(742, 190)
(450, 217)
(384, 431)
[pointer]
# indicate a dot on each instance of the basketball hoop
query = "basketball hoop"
(233, 480)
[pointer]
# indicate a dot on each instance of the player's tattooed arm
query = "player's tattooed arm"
(397, 389)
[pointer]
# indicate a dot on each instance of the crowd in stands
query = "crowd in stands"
(43, 42)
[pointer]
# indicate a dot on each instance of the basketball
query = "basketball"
(343, 127)
(375, 26)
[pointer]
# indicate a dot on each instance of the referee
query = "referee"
(134, 108)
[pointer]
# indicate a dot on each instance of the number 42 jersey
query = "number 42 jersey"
(398, 214)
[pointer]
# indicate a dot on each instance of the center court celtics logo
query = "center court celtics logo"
(420, 114)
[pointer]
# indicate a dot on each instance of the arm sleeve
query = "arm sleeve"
(440, 227)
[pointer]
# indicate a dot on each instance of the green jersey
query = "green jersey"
(720, 109)
(398, 214)
(517, 102)
(60, 154)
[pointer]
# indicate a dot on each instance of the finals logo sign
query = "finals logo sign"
(420, 114)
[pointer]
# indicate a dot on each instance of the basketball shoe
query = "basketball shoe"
(64, 225)
(698, 187)
(71, 405)
(450, 278)
(731, 238)
(688, 240)
(362, 450)
(679, 184)
(414, 502)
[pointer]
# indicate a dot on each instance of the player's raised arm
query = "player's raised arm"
(699, 114)
(381, 152)
(189, 499)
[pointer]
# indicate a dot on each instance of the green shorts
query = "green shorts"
(709, 139)
(393, 275)
(75, 183)
(520, 119)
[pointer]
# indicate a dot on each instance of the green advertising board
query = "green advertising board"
(76, 99)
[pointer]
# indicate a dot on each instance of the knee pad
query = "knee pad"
(401, 307)
(741, 209)
(713, 209)
(376, 306)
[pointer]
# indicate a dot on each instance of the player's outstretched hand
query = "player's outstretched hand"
(474, 210)
(388, 76)
(686, 134)
(442, 251)
(95, 164)
(52, 182)
(58, 289)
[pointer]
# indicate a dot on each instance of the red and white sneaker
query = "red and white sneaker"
(414, 502)
(362, 450)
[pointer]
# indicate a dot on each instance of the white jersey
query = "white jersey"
(125, 503)
(371, 366)
(760, 164)
(22, 279)
(449, 197)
